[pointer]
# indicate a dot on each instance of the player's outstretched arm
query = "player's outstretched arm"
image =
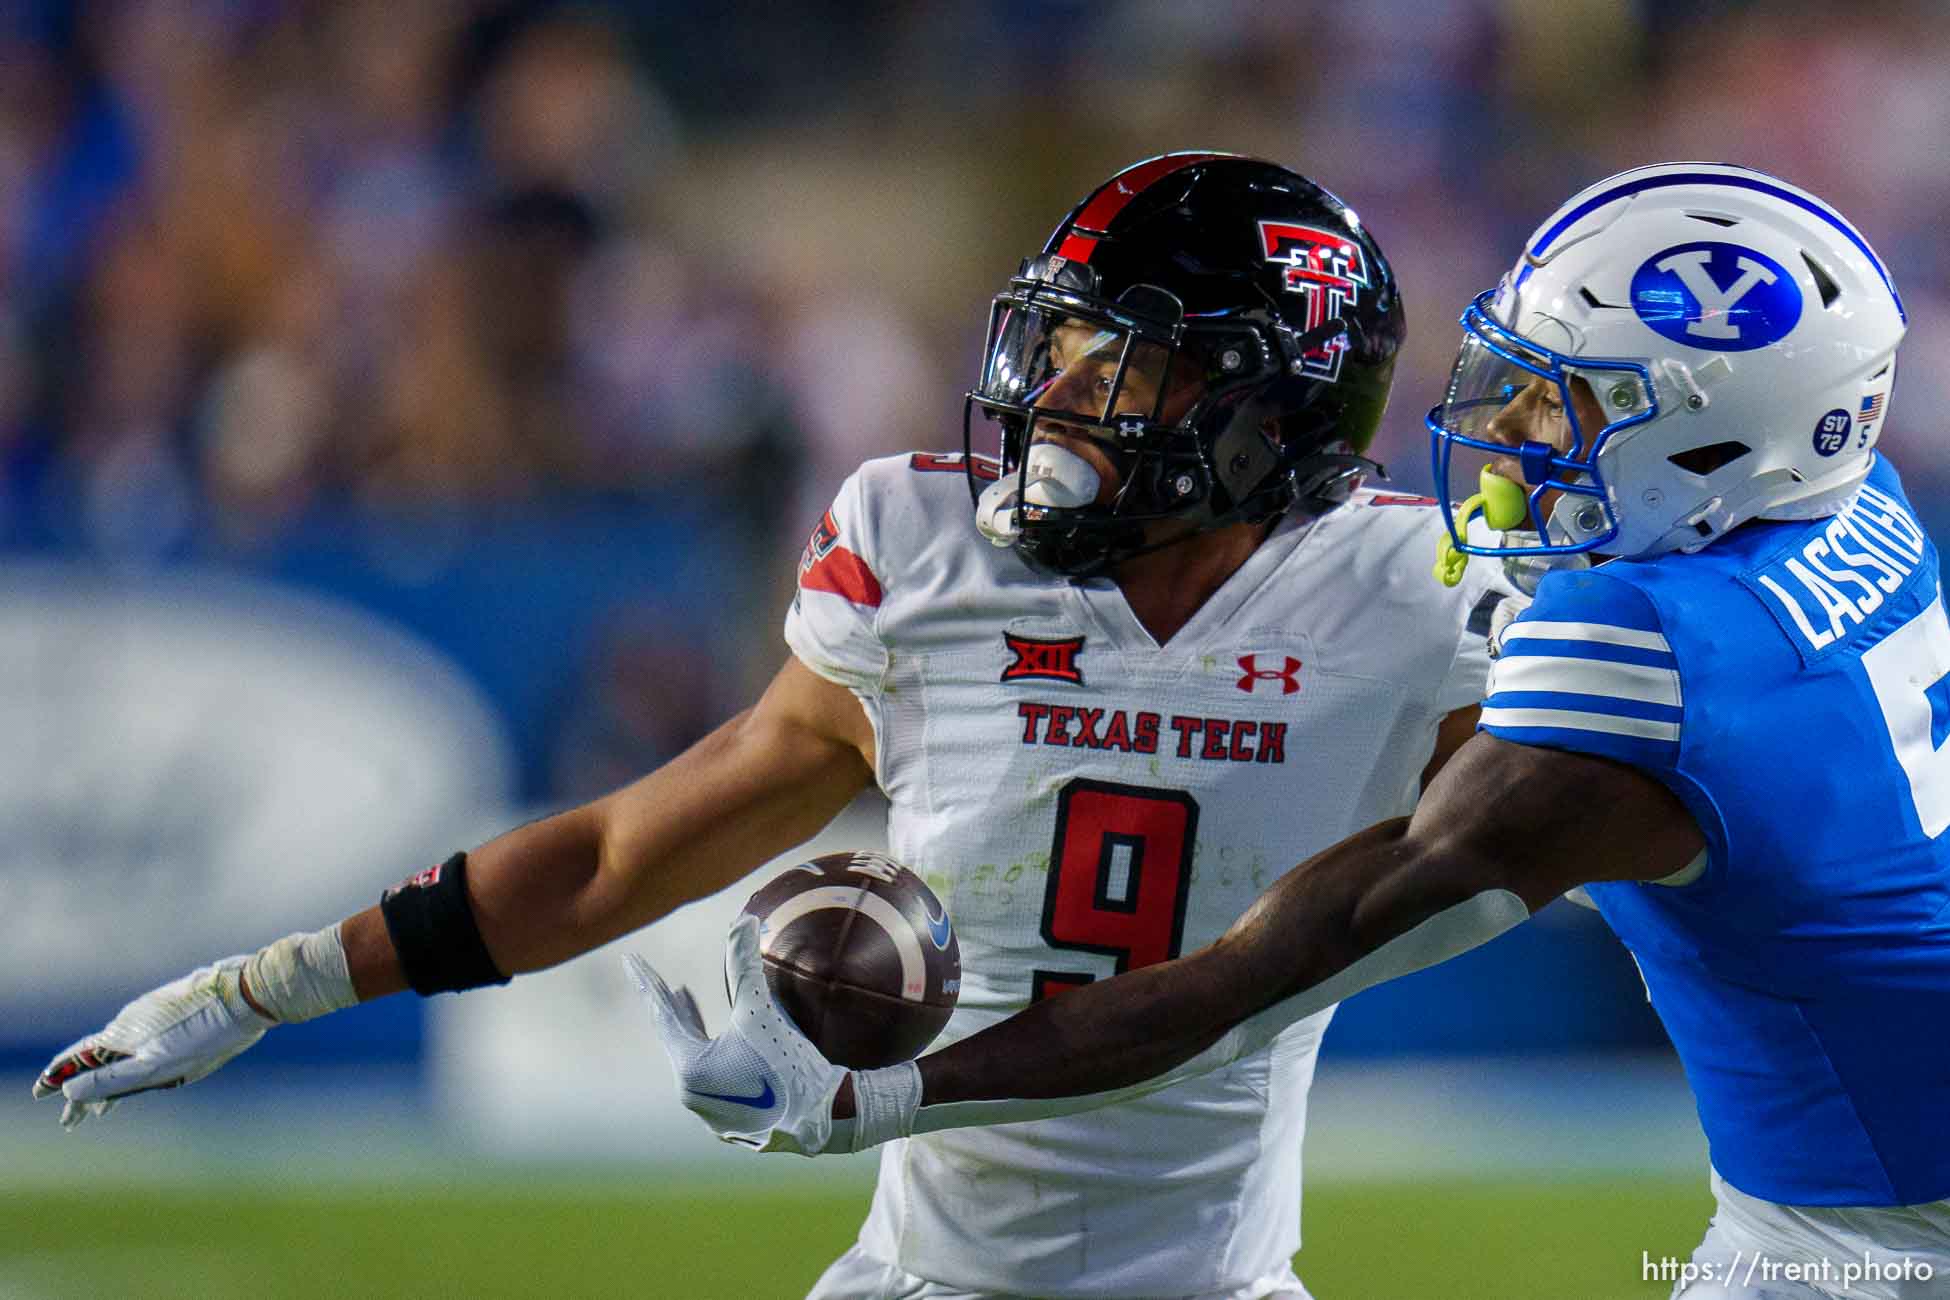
(538, 895)
(1504, 829)
(767, 780)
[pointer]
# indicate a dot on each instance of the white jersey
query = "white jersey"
(1085, 801)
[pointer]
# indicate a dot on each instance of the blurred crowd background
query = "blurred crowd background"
(270, 266)
(412, 412)
(544, 331)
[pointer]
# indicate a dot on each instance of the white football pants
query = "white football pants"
(858, 1276)
(1760, 1250)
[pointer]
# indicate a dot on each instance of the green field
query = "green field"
(550, 1237)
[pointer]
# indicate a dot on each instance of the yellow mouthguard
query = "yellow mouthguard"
(1502, 505)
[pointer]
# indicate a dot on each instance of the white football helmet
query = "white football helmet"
(1738, 334)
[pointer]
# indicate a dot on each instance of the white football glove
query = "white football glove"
(173, 1035)
(761, 1083)
(1501, 617)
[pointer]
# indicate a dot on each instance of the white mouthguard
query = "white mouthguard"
(995, 512)
(1056, 476)
(1059, 477)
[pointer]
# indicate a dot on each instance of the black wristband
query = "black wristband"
(433, 931)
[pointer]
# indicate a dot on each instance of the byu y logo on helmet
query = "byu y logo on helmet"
(1679, 293)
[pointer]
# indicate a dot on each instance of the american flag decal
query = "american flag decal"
(1871, 406)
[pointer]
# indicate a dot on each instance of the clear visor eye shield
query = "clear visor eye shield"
(1057, 358)
(1536, 391)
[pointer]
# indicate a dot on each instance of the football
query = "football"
(861, 955)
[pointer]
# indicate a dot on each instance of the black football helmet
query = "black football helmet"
(1234, 272)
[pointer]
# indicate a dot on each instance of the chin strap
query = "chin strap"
(1326, 474)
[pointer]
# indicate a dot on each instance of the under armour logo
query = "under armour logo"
(1287, 675)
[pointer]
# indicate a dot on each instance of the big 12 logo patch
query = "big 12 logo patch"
(1330, 269)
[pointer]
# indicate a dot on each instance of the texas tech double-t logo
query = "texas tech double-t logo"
(1326, 266)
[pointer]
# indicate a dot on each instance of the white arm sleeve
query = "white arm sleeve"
(1446, 934)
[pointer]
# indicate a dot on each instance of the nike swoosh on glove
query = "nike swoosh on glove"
(761, 1083)
(173, 1035)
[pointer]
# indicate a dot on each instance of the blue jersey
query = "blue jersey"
(1789, 684)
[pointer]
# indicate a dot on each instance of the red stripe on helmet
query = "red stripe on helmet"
(1116, 194)
(1077, 248)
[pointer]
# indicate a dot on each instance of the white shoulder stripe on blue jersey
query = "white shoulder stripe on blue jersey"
(1544, 630)
(1576, 720)
(1585, 677)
